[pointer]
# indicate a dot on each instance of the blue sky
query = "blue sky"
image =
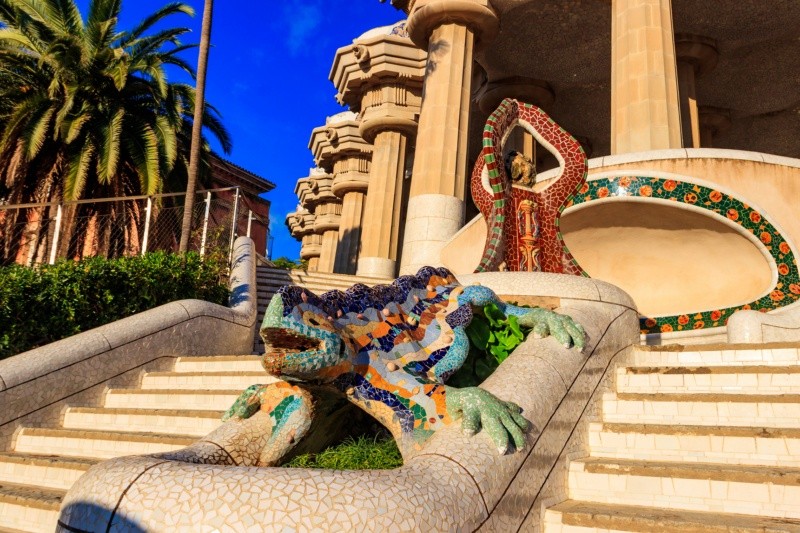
(268, 76)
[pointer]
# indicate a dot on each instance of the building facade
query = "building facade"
(704, 93)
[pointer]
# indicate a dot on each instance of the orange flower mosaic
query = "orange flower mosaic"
(787, 287)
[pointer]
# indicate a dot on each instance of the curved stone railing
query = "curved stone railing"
(455, 482)
(753, 327)
(35, 384)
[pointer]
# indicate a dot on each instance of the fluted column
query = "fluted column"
(381, 235)
(697, 56)
(645, 110)
(340, 150)
(448, 29)
(301, 226)
(316, 196)
(350, 184)
(381, 77)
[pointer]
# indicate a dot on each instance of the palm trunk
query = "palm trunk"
(197, 126)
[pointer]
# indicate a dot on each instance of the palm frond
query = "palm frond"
(169, 9)
(78, 171)
(109, 140)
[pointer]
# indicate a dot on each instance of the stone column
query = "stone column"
(317, 197)
(339, 149)
(697, 56)
(381, 77)
(301, 226)
(449, 30)
(713, 121)
(351, 187)
(645, 110)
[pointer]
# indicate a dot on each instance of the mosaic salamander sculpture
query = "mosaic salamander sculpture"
(389, 350)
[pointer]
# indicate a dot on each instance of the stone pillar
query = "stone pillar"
(449, 30)
(381, 236)
(381, 76)
(317, 197)
(645, 110)
(339, 149)
(713, 120)
(301, 226)
(351, 187)
(696, 57)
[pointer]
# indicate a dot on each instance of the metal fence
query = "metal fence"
(114, 227)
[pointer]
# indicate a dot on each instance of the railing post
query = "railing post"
(249, 221)
(56, 234)
(147, 214)
(233, 223)
(205, 225)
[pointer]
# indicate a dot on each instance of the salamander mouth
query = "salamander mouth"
(280, 343)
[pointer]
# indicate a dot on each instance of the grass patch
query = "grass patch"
(364, 452)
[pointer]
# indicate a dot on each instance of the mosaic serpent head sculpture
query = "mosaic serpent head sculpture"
(523, 223)
(389, 350)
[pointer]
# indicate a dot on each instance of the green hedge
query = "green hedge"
(47, 303)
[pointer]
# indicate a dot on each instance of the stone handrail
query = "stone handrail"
(754, 327)
(35, 384)
(454, 483)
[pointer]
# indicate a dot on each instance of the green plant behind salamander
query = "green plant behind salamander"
(492, 336)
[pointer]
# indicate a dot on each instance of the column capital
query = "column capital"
(311, 246)
(700, 52)
(339, 137)
(328, 215)
(300, 222)
(426, 15)
(383, 55)
(315, 190)
(528, 90)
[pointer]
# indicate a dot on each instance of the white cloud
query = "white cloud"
(302, 19)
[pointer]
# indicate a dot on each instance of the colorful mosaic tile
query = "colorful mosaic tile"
(787, 287)
(523, 224)
(390, 350)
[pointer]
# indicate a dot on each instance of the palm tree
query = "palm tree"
(86, 109)
(194, 154)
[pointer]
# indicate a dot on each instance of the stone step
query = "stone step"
(96, 444)
(709, 379)
(48, 471)
(753, 490)
(739, 410)
(584, 517)
(780, 354)
(303, 275)
(160, 421)
(219, 363)
(696, 444)
(229, 380)
(200, 400)
(26, 508)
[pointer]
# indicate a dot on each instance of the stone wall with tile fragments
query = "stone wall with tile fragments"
(36, 385)
(455, 482)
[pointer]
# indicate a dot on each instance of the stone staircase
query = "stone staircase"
(168, 411)
(689, 441)
(270, 279)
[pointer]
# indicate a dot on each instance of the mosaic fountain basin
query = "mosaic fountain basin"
(455, 482)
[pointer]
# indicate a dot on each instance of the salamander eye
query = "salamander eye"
(313, 321)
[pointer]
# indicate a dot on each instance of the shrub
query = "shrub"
(287, 264)
(50, 302)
